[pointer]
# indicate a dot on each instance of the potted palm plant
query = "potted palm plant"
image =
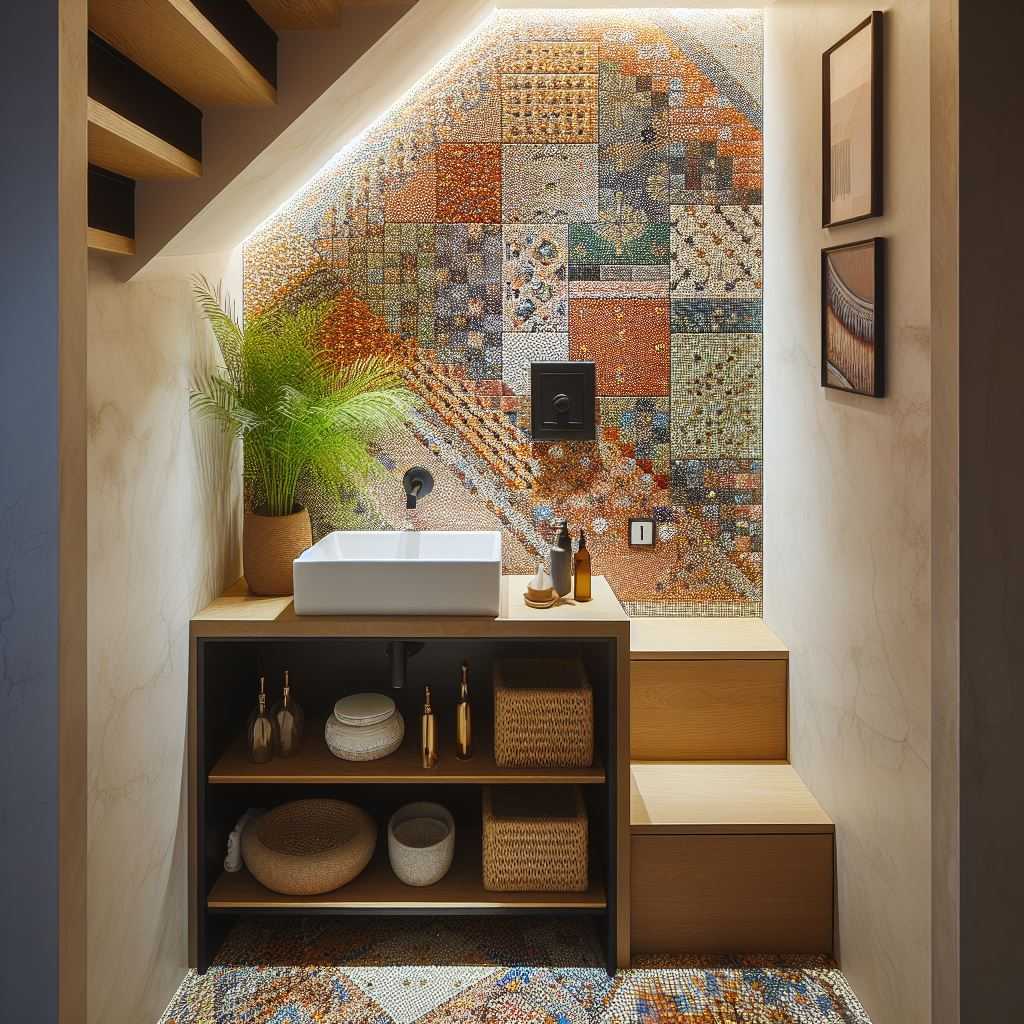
(304, 421)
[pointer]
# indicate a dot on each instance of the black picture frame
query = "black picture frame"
(870, 385)
(873, 24)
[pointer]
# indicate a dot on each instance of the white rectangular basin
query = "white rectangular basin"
(400, 572)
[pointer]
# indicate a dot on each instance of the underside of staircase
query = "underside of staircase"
(185, 94)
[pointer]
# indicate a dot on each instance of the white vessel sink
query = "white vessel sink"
(400, 572)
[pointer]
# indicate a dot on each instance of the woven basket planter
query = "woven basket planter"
(269, 546)
(308, 847)
(543, 714)
(534, 839)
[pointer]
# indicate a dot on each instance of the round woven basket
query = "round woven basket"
(309, 846)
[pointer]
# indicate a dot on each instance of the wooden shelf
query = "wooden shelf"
(687, 798)
(124, 147)
(315, 764)
(107, 241)
(176, 43)
(377, 889)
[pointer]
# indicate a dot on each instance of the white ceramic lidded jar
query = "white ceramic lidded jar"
(364, 727)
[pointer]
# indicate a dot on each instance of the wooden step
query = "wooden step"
(137, 126)
(228, 63)
(107, 241)
(728, 858)
(691, 799)
(283, 15)
(713, 710)
(668, 639)
(111, 212)
(119, 145)
(707, 689)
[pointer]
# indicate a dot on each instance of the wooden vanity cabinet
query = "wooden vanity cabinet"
(241, 637)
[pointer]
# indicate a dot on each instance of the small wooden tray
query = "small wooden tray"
(530, 603)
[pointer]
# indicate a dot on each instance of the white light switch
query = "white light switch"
(641, 533)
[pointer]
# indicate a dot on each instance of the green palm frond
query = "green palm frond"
(220, 315)
(299, 416)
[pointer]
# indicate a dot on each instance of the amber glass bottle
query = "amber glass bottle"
(581, 571)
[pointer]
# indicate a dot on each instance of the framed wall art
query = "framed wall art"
(853, 317)
(852, 125)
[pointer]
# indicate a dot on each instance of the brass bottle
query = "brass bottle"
(262, 734)
(289, 718)
(428, 733)
(581, 573)
(464, 718)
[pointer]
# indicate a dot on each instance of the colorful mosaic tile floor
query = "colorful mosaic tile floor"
(470, 971)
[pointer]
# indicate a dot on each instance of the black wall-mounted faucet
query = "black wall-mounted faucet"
(417, 483)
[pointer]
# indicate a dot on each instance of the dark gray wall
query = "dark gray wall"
(991, 368)
(29, 517)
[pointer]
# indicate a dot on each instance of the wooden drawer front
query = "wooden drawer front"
(732, 894)
(708, 710)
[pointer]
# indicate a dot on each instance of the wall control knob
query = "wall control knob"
(561, 404)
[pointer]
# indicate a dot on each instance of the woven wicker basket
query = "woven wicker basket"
(309, 846)
(543, 714)
(534, 839)
(269, 546)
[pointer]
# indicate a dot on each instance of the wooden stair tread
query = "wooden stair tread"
(708, 638)
(692, 798)
(107, 241)
(283, 15)
(176, 43)
(124, 147)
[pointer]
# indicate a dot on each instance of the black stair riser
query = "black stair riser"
(111, 202)
(247, 32)
(135, 94)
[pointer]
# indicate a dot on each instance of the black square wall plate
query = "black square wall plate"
(562, 401)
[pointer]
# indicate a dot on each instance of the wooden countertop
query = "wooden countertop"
(239, 613)
(705, 638)
(684, 798)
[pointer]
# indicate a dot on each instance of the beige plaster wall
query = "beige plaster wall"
(945, 412)
(164, 515)
(848, 505)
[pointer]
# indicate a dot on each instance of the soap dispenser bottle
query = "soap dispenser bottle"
(561, 561)
(289, 718)
(262, 734)
(464, 719)
(428, 733)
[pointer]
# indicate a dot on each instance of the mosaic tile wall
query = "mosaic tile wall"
(564, 186)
